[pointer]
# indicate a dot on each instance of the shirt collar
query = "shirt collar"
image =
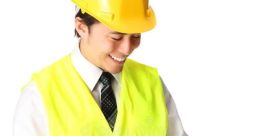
(88, 71)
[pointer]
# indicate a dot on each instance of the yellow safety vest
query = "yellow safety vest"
(72, 110)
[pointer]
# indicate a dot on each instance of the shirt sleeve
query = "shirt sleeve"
(30, 118)
(175, 127)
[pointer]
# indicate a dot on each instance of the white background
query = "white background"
(206, 51)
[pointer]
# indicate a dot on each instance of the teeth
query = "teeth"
(118, 59)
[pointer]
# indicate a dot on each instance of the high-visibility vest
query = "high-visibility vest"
(72, 110)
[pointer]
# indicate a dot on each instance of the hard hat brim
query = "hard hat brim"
(125, 16)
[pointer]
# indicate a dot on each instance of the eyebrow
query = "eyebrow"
(118, 33)
(124, 33)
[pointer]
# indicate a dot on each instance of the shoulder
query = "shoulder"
(30, 116)
(30, 93)
(29, 98)
(137, 66)
(133, 63)
(49, 71)
(60, 62)
(139, 71)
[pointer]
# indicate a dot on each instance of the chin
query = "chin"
(114, 70)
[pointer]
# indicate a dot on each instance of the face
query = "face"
(107, 49)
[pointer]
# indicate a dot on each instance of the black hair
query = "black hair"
(87, 19)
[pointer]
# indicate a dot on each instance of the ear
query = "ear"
(81, 27)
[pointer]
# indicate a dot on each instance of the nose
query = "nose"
(127, 46)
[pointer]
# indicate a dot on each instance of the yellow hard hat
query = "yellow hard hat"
(125, 16)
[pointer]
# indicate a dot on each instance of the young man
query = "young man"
(96, 90)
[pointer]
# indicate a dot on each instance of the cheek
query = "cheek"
(100, 45)
(103, 46)
(108, 46)
(104, 50)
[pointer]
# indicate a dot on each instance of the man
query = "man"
(96, 90)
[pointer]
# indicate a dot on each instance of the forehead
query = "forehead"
(102, 28)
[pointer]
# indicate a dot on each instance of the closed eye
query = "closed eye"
(116, 38)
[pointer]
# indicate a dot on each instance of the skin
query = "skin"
(99, 43)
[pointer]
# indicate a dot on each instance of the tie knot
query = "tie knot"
(106, 78)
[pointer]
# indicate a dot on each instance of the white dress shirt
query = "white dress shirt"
(31, 118)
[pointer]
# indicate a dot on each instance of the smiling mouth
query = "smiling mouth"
(119, 59)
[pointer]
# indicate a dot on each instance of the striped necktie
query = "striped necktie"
(108, 101)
